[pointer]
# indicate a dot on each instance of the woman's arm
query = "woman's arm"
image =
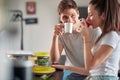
(73, 69)
(101, 54)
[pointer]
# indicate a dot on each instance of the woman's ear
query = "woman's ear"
(103, 16)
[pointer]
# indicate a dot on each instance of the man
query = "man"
(71, 43)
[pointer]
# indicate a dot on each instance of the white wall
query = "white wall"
(1, 9)
(37, 37)
(2, 13)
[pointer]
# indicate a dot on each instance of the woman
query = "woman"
(101, 60)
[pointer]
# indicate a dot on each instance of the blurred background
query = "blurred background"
(28, 25)
(37, 25)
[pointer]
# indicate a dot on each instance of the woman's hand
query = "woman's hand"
(75, 69)
(58, 30)
(59, 67)
(82, 28)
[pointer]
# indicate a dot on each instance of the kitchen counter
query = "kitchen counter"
(57, 75)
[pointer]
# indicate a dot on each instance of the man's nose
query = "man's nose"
(69, 19)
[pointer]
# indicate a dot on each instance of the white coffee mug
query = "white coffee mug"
(68, 27)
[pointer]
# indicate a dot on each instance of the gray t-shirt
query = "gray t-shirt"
(73, 46)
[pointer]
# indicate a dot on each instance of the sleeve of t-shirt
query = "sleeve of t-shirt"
(111, 39)
(60, 40)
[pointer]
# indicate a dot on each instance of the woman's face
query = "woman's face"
(95, 19)
(69, 15)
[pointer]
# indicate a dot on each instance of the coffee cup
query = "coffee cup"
(68, 27)
(87, 22)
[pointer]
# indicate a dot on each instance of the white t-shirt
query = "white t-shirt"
(73, 46)
(111, 65)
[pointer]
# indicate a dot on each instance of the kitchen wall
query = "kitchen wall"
(37, 37)
(2, 13)
(1, 10)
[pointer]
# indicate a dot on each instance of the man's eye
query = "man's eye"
(72, 15)
(65, 17)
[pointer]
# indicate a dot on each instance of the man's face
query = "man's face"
(69, 15)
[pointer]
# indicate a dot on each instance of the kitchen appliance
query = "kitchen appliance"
(22, 69)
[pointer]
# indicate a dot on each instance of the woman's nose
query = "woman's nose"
(87, 19)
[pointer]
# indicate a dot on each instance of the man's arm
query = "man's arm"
(56, 50)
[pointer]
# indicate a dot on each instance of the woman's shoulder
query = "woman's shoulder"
(112, 36)
(114, 33)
